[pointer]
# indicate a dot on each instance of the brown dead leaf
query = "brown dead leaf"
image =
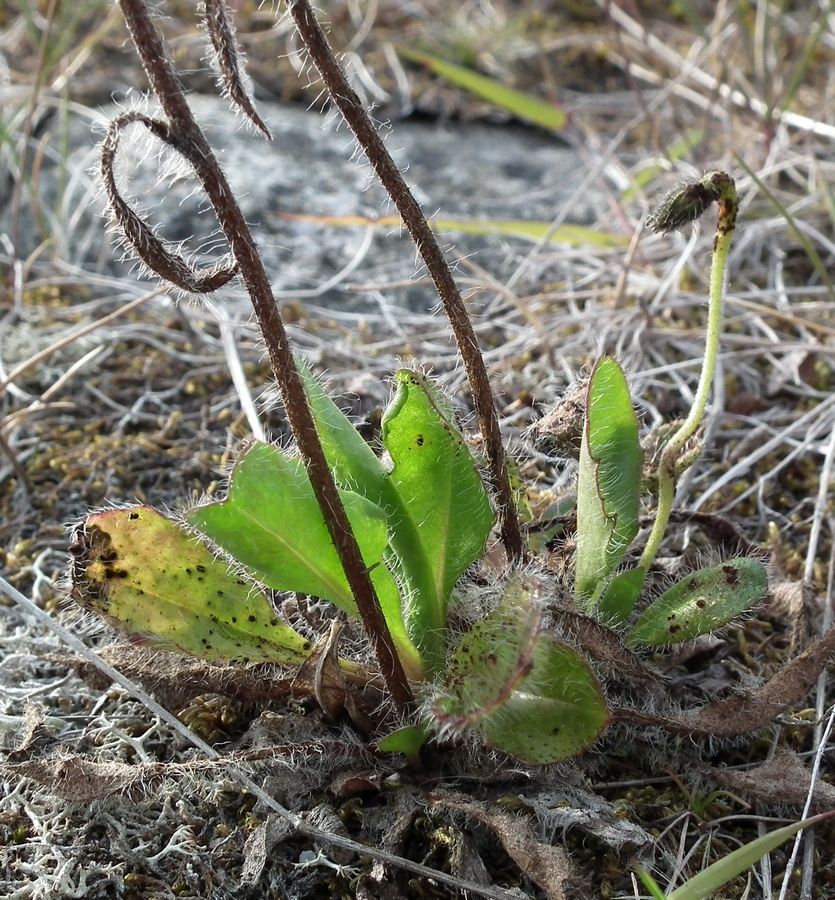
(547, 866)
(745, 403)
(369, 888)
(795, 603)
(322, 673)
(82, 780)
(177, 679)
(791, 369)
(807, 370)
(783, 779)
(34, 737)
(722, 532)
(465, 861)
(751, 710)
(601, 643)
(258, 846)
(353, 784)
(755, 709)
(560, 430)
(255, 855)
(324, 818)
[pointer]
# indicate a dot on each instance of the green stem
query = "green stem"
(683, 206)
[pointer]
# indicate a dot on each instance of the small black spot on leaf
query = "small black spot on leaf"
(731, 575)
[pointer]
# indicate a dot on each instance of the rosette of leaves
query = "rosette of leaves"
(422, 517)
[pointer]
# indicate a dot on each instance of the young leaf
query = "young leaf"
(159, 586)
(442, 493)
(355, 465)
(609, 480)
(408, 741)
(620, 597)
(700, 603)
(271, 524)
(524, 691)
(419, 480)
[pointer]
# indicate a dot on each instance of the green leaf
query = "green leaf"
(521, 105)
(720, 873)
(270, 522)
(442, 493)
(407, 740)
(524, 691)
(620, 597)
(430, 542)
(800, 233)
(355, 465)
(609, 480)
(159, 586)
(700, 603)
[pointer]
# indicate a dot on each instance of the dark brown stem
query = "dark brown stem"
(392, 180)
(191, 142)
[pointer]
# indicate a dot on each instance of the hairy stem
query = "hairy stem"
(348, 103)
(682, 206)
(187, 137)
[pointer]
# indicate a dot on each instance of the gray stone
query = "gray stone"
(311, 172)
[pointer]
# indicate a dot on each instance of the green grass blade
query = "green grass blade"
(808, 247)
(720, 873)
(521, 105)
(677, 149)
(650, 884)
(574, 235)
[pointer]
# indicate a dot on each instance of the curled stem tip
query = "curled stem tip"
(682, 206)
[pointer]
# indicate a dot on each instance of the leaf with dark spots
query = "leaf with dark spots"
(170, 592)
(524, 691)
(700, 603)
